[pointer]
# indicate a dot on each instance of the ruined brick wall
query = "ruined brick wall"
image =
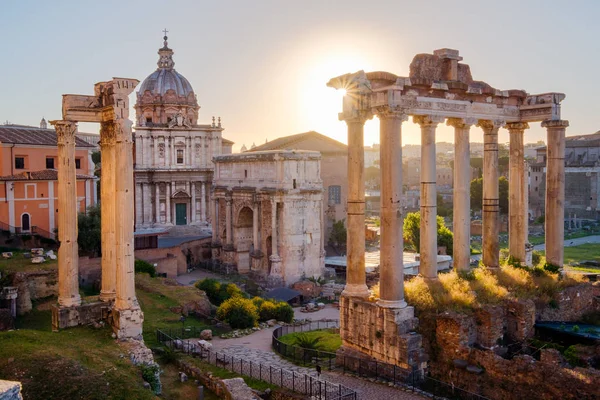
(34, 285)
(570, 304)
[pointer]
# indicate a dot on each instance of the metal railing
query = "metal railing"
(33, 230)
(305, 384)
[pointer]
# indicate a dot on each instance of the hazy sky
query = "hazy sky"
(263, 65)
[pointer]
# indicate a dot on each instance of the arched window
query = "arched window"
(25, 222)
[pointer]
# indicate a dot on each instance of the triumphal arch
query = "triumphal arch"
(438, 89)
(109, 105)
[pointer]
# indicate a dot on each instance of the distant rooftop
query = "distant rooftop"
(23, 134)
(293, 142)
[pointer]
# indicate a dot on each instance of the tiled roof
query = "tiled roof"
(288, 141)
(43, 175)
(20, 134)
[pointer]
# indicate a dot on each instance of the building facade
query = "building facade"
(28, 179)
(334, 170)
(268, 209)
(173, 151)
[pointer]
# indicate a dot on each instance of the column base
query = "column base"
(391, 303)
(107, 296)
(275, 281)
(72, 301)
(356, 290)
(127, 323)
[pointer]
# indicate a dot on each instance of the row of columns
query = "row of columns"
(148, 154)
(391, 250)
(117, 215)
(145, 213)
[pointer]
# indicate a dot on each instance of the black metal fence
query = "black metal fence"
(374, 370)
(305, 384)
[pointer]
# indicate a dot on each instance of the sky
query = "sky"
(262, 66)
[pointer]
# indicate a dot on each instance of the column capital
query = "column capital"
(549, 124)
(108, 136)
(389, 112)
(65, 131)
(428, 120)
(461, 123)
(517, 127)
(356, 117)
(490, 126)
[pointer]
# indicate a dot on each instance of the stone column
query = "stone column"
(215, 222)
(203, 202)
(428, 235)
(128, 315)
(139, 207)
(462, 193)
(228, 222)
(391, 283)
(157, 202)
(355, 243)
(555, 191)
(193, 208)
(168, 202)
(107, 212)
(255, 230)
(517, 209)
(68, 254)
(276, 271)
(491, 200)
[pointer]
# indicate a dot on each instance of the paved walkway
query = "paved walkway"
(196, 275)
(573, 242)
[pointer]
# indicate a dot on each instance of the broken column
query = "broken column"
(555, 191)
(428, 236)
(391, 283)
(68, 252)
(107, 212)
(462, 193)
(517, 208)
(491, 200)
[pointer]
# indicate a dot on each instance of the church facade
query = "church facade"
(173, 150)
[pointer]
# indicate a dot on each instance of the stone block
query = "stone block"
(66, 317)
(127, 323)
(37, 260)
(7, 254)
(206, 334)
(10, 390)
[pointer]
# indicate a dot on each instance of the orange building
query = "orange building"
(28, 179)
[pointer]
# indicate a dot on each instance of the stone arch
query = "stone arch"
(245, 217)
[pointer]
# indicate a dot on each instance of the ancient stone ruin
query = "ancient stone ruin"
(109, 105)
(439, 88)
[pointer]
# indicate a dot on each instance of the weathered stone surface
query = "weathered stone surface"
(206, 334)
(571, 303)
(239, 390)
(10, 390)
(6, 320)
(37, 260)
(307, 288)
(84, 314)
(32, 286)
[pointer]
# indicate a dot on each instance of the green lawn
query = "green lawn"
(19, 263)
(583, 252)
(326, 339)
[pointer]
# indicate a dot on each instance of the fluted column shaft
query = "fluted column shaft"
(428, 234)
(68, 254)
(391, 283)
(107, 212)
(168, 202)
(491, 198)
(355, 240)
(555, 191)
(517, 186)
(462, 194)
(228, 222)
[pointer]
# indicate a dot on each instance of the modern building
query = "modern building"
(173, 150)
(334, 170)
(28, 179)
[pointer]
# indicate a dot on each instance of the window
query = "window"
(78, 163)
(49, 163)
(19, 162)
(179, 156)
(335, 194)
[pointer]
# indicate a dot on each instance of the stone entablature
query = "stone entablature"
(267, 214)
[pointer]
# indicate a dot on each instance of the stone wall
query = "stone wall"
(85, 314)
(34, 285)
(384, 334)
(174, 260)
(571, 304)
(212, 383)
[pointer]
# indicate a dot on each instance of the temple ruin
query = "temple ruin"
(109, 105)
(439, 88)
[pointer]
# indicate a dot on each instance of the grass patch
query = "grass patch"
(325, 339)
(18, 263)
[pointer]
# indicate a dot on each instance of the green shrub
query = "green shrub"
(267, 310)
(142, 266)
(151, 374)
(238, 312)
(218, 292)
(284, 312)
(536, 257)
(572, 357)
(552, 268)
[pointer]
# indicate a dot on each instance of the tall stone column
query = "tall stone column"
(491, 198)
(107, 212)
(276, 272)
(356, 285)
(128, 315)
(157, 202)
(168, 201)
(193, 210)
(555, 191)
(391, 283)
(517, 207)
(462, 194)
(215, 222)
(68, 254)
(428, 235)
(228, 222)
(139, 207)
(203, 202)
(255, 228)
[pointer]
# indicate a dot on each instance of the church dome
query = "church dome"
(162, 80)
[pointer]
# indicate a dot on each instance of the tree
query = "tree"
(412, 232)
(477, 194)
(337, 238)
(90, 236)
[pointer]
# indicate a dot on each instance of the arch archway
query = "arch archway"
(25, 222)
